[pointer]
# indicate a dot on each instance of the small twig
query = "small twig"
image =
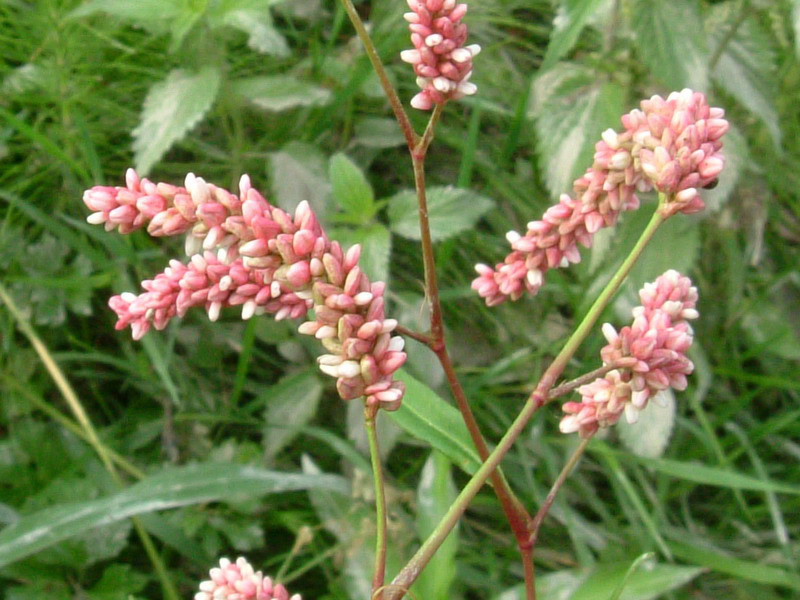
(551, 495)
(422, 338)
(569, 386)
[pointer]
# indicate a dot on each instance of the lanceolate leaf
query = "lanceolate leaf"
(450, 211)
(570, 21)
(280, 92)
(171, 109)
(571, 108)
(641, 584)
(427, 417)
(650, 435)
(290, 404)
(299, 172)
(170, 488)
(435, 494)
(746, 68)
(671, 42)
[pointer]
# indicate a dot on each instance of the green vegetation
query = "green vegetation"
(211, 438)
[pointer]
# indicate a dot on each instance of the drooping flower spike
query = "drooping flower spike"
(239, 581)
(653, 348)
(441, 60)
(672, 145)
(246, 252)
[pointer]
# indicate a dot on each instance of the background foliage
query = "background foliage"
(230, 426)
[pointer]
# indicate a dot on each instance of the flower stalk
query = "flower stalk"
(370, 414)
(537, 399)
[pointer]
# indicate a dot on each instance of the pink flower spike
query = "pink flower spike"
(441, 60)
(673, 145)
(650, 355)
(239, 581)
(260, 258)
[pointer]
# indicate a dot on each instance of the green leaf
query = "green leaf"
(572, 17)
(351, 190)
(280, 92)
(671, 42)
(263, 37)
(376, 248)
(600, 582)
(141, 11)
(744, 569)
(642, 584)
(571, 109)
(171, 109)
(118, 582)
(435, 494)
(427, 417)
(378, 132)
(746, 68)
(796, 24)
(170, 488)
(299, 172)
(450, 211)
(703, 474)
(291, 403)
(650, 435)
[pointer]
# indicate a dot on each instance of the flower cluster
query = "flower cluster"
(442, 62)
(673, 145)
(653, 350)
(246, 252)
(239, 581)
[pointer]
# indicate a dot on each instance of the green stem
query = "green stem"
(370, 413)
(397, 106)
(538, 398)
(551, 495)
(90, 434)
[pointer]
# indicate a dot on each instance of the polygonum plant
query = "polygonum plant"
(244, 252)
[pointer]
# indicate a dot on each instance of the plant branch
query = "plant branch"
(551, 495)
(90, 435)
(515, 512)
(538, 398)
(370, 413)
(569, 386)
(412, 138)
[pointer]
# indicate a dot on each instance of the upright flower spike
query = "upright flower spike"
(239, 581)
(245, 252)
(441, 60)
(653, 350)
(673, 145)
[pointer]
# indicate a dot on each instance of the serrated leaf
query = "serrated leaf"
(450, 211)
(351, 190)
(746, 70)
(572, 17)
(263, 37)
(280, 92)
(650, 435)
(171, 108)
(671, 42)
(299, 172)
(167, 489)
(290, 403)
(571, 109)
(435, 494)
(376, 248)
(430, 419)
